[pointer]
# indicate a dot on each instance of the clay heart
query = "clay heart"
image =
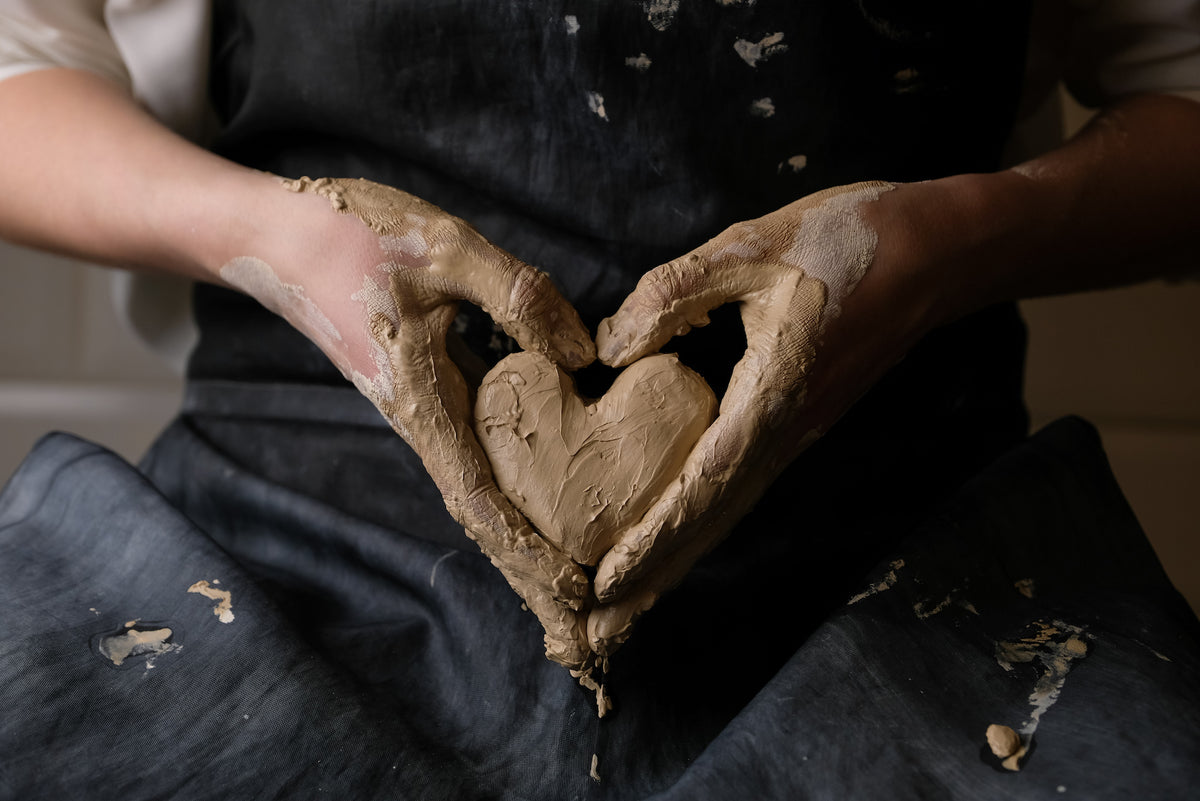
(583, 471)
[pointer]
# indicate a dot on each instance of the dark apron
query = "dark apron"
(375, 654)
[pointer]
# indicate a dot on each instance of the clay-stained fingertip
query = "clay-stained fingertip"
(609, 581)
(570, 588)
(576, 353)
(607, 630)
(613, 343)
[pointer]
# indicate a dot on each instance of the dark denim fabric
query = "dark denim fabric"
(366, 661)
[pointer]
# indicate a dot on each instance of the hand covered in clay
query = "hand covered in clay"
(812, 350)
(375, 284)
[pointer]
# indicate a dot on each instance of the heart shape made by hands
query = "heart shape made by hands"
(583, 471)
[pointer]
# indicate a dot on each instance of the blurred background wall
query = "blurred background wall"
(1127, 360)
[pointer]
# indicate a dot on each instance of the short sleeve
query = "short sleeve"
(157, 49)
(35, 34)
(1116, 48)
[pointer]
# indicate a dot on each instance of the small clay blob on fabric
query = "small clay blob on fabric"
(584, 471)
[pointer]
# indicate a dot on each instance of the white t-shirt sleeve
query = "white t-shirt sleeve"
(35, 34)
(157, 49)
(1115, 48)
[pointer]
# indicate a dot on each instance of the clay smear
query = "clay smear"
(119, 647)
(1055, 646)
(583, 471)
(224, 608)
(886, 583)
(754, 52)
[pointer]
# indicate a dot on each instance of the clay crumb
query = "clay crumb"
(594, 772)
(1006, 745)
(224, 608)
(1025, 587)
(588, 681)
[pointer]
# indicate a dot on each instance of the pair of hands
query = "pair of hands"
(380, 290)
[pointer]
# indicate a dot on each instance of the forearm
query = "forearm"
(1118, 204)
(90, 174)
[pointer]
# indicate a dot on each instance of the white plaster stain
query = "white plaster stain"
(224, 608)
(433, 572)
(596, 104)
(641, 62)
(754, 52)
(572, 23)
(256, 278)
(889, 581)
(661, 13)
(763, 107)
(835, 245)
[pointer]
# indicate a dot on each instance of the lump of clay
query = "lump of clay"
(1006, 745)
(583, 471)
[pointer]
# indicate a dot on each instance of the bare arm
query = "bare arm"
(1118, 204)
(88, 173)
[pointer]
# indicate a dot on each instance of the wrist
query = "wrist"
(967, 239)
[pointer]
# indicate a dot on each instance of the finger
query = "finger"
(609, 625)
(696, 507)
(431, 410)
(462, 265)
(523, 300)
(529, 563)
(753, 438)
(565, 631)
(673, 299)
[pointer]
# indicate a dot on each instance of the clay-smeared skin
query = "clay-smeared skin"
(429, 260)
(789, 271)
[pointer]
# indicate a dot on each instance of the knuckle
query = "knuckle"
(530, 293)
(674, 280)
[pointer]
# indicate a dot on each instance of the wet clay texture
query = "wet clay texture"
(583, 471)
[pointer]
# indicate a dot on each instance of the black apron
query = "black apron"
(857, 649)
